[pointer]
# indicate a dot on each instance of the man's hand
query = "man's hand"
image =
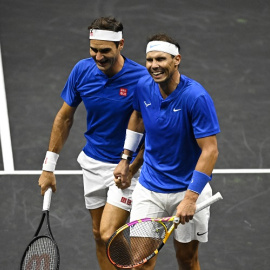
(46, 180)
(122, 175)
(187, 207)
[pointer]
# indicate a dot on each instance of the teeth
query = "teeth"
(156, 73)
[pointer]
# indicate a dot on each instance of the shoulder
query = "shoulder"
(146, 80)
(84, 66)
(85, 63)
(134, 66)
(133, 63)
(192, 88)
(145, 86)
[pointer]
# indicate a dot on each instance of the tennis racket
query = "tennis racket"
(42, 252)
(138, 241)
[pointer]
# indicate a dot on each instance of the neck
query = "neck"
(167, 87)
(117, 66)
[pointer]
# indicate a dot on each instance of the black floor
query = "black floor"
(225, 46)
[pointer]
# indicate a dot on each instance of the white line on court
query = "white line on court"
(78, 172)
(27, 172)
(4, 125)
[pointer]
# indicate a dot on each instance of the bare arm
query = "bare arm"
(137, 162)
(123, 169)
(59, 134)
(61, 127)
(207, 160)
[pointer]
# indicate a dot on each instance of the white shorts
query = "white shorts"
(99, 186)
(151, 204)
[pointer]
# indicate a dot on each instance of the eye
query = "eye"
(160, 59)
(105, 50)
(94, 50)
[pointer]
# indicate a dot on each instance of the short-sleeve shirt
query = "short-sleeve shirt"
(172, 126)
(108, 102)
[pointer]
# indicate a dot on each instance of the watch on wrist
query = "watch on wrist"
(126, 157)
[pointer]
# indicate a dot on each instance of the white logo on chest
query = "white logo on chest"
(147, 104)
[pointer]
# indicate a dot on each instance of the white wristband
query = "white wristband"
(50, 161)
(132, 140)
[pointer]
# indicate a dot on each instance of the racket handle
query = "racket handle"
(47, 199)
(208, 202)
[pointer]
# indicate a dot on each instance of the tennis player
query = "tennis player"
(181, 124)
(105, 84)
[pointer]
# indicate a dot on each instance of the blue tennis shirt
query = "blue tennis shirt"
(172, 126)
(108, 102)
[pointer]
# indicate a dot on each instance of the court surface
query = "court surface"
(225, 45)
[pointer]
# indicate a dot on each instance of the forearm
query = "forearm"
(138, 161)
(60, 131)
(201, 176)
(209, 155)
(59, 134)
(206, 162)
(123, 171)
(205, 165)
(135, 124)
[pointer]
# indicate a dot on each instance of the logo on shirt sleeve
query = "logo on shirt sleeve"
(123, 92)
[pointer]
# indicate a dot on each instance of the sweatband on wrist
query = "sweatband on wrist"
(132, 140)
(162, 46)
(107, 35)
(50, 161)
(198, 181)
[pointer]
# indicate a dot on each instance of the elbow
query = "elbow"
(69, 122)
(64, 120)
(211, 154)
(214, 154)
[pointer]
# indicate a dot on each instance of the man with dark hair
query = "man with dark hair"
(105, 84)
(179, 119)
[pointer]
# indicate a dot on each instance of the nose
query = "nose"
(154, 64)
(99, 56)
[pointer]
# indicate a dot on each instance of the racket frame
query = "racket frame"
(168, 232)
(45, 214)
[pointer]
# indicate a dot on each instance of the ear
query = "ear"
(121, 44)
(177, 60)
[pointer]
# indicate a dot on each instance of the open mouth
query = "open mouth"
(157, 74)
(101, 63)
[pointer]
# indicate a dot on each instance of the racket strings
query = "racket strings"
(132, 245)
(42, 254)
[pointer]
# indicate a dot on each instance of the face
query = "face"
(161, 65)
(105, 54)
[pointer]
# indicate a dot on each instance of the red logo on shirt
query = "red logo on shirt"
(123, 92)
